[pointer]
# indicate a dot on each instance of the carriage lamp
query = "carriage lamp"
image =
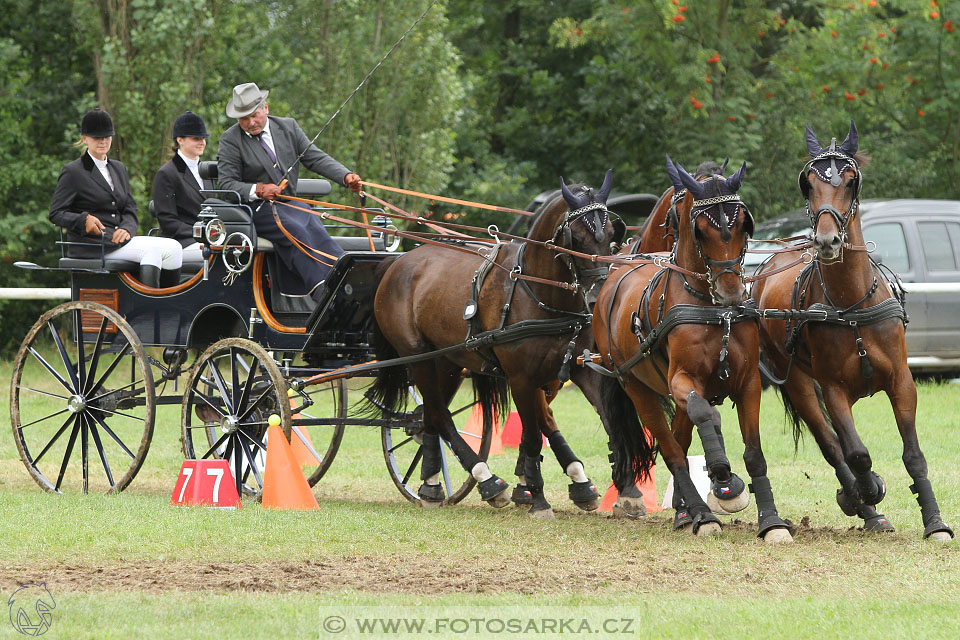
(216, 233)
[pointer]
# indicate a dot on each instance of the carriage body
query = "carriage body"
(237, 347)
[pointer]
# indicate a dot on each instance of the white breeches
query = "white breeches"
(164, 253)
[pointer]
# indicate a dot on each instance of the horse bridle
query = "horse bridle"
(836, 179)
(596, 224)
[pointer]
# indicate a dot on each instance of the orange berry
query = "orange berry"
(849, 96)
(678, 18)
(732, 118)
(920, 113)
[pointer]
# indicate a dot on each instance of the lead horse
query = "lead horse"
(521, 310)
(676, 326)
(841, 338)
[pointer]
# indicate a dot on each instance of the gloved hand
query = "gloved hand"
(352, 181)
(267, 191)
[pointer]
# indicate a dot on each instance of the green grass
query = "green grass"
(368, 546)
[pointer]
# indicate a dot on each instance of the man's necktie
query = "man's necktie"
(273, 156)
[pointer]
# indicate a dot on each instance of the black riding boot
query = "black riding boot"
(169, 278)
(150, 275)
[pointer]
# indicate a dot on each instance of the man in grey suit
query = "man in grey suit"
(253, 157)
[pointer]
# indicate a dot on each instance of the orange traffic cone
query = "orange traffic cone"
(474, 428)
(284, 485)
(513, 430)
(301, 452)
(648, 488)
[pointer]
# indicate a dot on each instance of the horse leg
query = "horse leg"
(770, 526)
(692, 513)
(521, 493)
(800, 397)
(903, 399)
(869, 486)
(582, 491)
(531, 405)
(629, 502)
(434, 379)
(727, 490)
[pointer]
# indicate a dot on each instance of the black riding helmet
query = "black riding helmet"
(97, 124)
(189, 125)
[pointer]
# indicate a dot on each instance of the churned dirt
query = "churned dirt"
(423, 574)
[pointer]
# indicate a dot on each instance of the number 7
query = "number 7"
(188, 471)
(216, 484)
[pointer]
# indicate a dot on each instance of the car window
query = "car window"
(940, 247)
(891, 244)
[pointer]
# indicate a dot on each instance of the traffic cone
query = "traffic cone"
(301, 452)
(513, 431)
(284, 485)
(648, 488)
(474, 427)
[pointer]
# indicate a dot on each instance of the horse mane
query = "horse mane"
(863, 160)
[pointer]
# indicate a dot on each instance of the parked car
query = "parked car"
(920, 241)
(632, 207)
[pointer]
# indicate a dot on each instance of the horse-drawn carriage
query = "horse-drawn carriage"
(91, 373)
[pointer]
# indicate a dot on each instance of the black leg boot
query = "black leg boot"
(150, 275)
(169, 278)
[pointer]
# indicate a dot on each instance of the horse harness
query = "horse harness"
(574, 321)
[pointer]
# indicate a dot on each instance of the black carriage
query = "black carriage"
(228, 345)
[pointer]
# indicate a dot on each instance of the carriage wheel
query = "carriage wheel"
(232, 390)
(317, 430)
(403, 452)
(90, 400)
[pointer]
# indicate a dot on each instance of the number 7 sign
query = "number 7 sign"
(205, 482)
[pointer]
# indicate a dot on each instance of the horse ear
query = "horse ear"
(696, 188)
(813, 146)
(723, 167)
(674, 176)
(735, 181)
(852, 141)
(572, 201)
(606, 187)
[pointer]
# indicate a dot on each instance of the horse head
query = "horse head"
(580, 221)
(835, 191)
(714, 226)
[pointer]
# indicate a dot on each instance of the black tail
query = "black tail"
(793, 417)
(633, 454)
(389, 391)
(491, 392)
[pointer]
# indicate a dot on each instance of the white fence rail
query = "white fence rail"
(34, 293)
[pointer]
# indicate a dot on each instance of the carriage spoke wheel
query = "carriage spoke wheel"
(82, 410)
(231, 392)
(317, 429)
(403, 452)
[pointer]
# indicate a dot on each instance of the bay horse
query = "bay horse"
(842, 338)
(678, 327)
(526, 308)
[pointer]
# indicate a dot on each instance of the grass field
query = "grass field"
(130, 566)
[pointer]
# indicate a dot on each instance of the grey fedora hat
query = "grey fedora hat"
(246, 99)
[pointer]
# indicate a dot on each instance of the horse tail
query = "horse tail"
(633, 454)
(793, 416)
(491, 393)
(389, 391)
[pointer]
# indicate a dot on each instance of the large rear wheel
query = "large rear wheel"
(82, 410)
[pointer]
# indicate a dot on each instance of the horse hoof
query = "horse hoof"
(500, 500)
(542, 514)
(521, 496)
(629, 508)
(686, 528)
(709, 529)
(430, 504)
(592, 505)
(732, 505)
(940, 536)
(778, 536)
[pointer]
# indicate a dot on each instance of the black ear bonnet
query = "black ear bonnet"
(829, 164)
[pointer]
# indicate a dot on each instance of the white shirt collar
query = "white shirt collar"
(266, 130)
(101, 164)
(191, 163)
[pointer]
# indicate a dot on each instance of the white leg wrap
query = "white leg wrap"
(434, 479)
(481, 472)
(575, 471)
